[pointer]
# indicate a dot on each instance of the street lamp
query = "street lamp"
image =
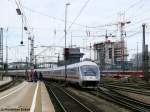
(67, 4)
(66, 8)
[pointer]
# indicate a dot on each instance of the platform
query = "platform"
(26, 97)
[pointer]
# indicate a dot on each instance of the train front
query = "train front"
(90, 74)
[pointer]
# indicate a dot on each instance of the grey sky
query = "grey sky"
(97, 13)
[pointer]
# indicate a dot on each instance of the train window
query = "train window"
(89, 70)
(68, 71)
(73, 71)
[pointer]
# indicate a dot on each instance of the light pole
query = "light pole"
(66, 8)
(6, 54)
(137, 58)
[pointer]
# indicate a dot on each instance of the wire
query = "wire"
(78, 15)
(137, 11)
(140, 21)
(136, 33)
(17, 4)
(133, 5)
(52, 17)
(133, 34)
(62, 20)
(130, 7)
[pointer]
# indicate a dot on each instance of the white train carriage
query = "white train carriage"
(84, 73)
(16, 73)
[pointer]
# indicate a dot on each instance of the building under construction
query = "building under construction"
(111, 55)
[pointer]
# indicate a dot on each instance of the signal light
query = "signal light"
(25, 28)
(18, 11)
(21, 42)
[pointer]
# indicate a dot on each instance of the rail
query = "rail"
(132, 85)
(7, 85)
(118, 98)
(67, 102)
(132, 90)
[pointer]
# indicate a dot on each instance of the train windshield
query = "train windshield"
(89, 70)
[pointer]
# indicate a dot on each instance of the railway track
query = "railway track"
(132, 90)
(131, 85)
(113, 96)
(9, 85)
(65, 101)
(117, 98)
(106, 93)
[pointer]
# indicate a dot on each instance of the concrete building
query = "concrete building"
(110, 55)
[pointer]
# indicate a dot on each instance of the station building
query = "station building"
(74, 56)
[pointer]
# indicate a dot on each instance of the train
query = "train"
(84, 74)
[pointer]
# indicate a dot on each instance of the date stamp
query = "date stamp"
(14, 109)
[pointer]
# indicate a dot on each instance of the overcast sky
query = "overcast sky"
(46, 18)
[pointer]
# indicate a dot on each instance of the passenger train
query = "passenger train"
(84, 73)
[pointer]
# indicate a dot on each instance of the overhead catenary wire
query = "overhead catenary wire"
(59, 19)
(131, 35)
(52, 17)
(74, 19)
(138, 11)
(110, 24)
(139, 23)
(81, 23)
(81, 10)
(18, 4)
(133, 16)
(78, 15)
(126, 10)
(132, 5)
